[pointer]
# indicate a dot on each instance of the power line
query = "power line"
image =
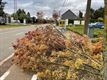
(64, 4)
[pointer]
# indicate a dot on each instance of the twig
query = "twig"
(91, 58)
(90, 69)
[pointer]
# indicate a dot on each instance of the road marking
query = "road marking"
(10, 48)
(34, 77)
(19, 33)
(4, 75)
(9, 31)
(3, 37)
(2, 62)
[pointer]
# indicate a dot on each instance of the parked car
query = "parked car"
(97, 25)
(2, 20)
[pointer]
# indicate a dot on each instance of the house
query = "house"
(68, 15)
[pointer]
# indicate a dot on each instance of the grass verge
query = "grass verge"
(80, 29)
(11, 26)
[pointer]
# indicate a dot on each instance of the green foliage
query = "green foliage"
(79, 30)
(80, 14)
(92, 13)
(28, 18)
(2, 5)
(93, 20)
(21, 15)
(100, 19)
(99, 13)
(95, 14)
(33, 20)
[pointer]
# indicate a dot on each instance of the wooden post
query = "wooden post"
(87, 17)
(105, 42)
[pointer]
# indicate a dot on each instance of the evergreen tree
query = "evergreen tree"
(2, 5)
(28, 18)
(80, 14)
(20, 15)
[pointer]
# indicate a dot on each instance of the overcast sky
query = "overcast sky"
(47, 6)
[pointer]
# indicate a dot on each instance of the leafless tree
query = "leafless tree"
(40, 14)
(56, 15)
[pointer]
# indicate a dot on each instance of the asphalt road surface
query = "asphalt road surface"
(8, 36)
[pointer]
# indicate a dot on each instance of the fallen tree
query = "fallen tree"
(54, 55)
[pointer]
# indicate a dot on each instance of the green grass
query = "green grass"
(80, 29)
(11, 26)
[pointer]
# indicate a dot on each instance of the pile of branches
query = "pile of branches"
(54, 55)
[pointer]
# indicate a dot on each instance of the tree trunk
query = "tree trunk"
(87, 17)
(21, 20)
(105, 44)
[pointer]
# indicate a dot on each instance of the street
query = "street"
(9, 36)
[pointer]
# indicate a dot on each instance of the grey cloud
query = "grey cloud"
(48, 5)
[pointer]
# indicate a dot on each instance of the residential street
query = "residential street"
(7, 37)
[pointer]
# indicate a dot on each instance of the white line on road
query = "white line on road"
(9, 31)
(2, 62)
(4, 75)
(19, 33)
(10, 48)
(34, 77)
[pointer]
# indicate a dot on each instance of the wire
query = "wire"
(64, 4)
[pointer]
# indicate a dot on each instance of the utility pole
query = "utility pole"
(87, 17)
(105, 42)
(15, 6)
(15, 9)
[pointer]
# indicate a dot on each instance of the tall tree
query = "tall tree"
(40, 14)
(20, 15)
(33, 20)
(92, 13)
(55, 16)
(105, 51)
(87, 17)
(2, 5)
(99, 13)
(28, 18)
(80, 14)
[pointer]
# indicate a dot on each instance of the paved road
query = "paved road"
(15, 73)
(7, 36)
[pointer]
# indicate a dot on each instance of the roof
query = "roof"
(68, 15)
